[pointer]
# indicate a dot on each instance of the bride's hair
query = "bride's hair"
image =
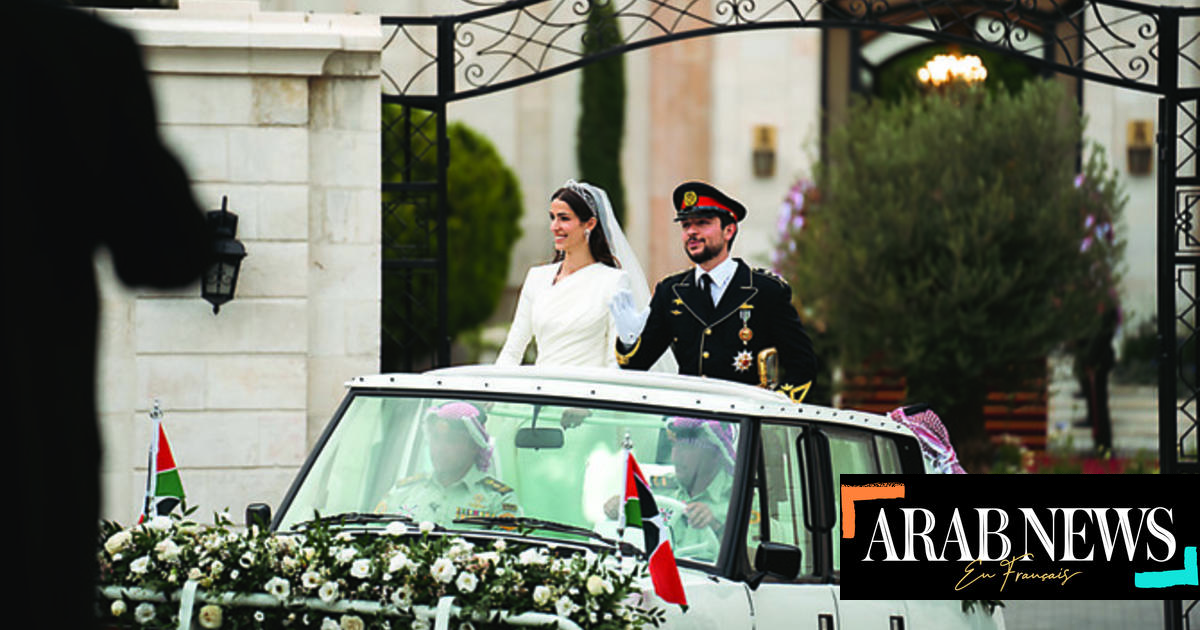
(597, 242)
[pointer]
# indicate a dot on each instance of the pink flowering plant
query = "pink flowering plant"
(333, 578)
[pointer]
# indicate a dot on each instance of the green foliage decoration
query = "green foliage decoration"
(947, 243)
(485, 207)
(331, 575)
(601, 125)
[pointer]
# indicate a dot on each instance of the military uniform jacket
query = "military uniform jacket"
(422, 498)
(723, 341)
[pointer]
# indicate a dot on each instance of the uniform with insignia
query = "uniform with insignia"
(687, 541)
(723, 341)
(422, 498)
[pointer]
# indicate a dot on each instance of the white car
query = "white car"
(766, 552)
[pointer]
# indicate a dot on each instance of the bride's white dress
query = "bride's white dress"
(569, 319)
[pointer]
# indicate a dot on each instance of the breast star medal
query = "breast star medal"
(742, 361)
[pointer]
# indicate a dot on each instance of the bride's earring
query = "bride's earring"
(587, 235)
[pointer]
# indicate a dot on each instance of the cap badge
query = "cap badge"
(689, 198)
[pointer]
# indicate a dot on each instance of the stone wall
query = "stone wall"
(280, 113)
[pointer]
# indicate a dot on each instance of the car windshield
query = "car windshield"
(445, 460)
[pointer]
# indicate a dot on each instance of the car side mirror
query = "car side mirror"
(258, 514)
(539, 438)
(778, 559)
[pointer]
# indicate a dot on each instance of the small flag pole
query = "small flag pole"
(626, 449)
(151, 474)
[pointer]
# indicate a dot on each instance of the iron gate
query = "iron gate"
(432, 61)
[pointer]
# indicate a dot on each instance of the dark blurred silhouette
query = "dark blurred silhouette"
(83, 168)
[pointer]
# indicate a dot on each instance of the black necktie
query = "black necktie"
(706, 282)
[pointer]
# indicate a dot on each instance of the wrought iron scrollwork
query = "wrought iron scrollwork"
(507, 44)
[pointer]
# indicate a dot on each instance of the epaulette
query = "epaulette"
(763, 271)
(494, 484)
(662, 481)
(411, 480)
(674, 274)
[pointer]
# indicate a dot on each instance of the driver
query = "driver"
(703, 454)
(458, 487)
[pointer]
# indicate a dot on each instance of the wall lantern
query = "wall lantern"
(220, 279)
(1139, 147)
(763, 156)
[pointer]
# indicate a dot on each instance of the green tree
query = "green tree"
(601, 126)
(485, 205)
(946, 244)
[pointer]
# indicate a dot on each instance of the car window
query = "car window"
(439, 460)
(851, 452)
(780, 517)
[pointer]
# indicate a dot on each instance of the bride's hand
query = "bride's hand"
(628, 320)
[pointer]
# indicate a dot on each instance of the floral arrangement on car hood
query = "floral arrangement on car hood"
(343, 580)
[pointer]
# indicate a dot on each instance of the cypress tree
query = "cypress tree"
(601, 126)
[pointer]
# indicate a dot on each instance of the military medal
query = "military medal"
(742, 361)
(745, 334)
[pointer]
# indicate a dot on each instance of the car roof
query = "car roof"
(627, 386)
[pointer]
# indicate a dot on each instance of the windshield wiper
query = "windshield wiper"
(528, 522)
(354, 518)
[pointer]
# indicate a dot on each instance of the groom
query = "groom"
(717, 316)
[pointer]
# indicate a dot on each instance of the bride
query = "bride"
(564, 305)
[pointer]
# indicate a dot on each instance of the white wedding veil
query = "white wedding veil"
(598, 201)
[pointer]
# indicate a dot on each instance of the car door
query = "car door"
(853, 451)
(779, 514)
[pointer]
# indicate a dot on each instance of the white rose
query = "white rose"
(195, 574)
(167, 550)
(144, 613)
(541, 595)
(234, 574)
(159, 523)
(117, 608)
(290, 564)
(532, 556)
(397, 562)
(328, 592)
(217, 567)
(361, 568)
(352, 622)
(278, 587)
(395, 528)
(443, 570)
(141, 565)
(310, 579)
(564, 606)
(595, 585)
(346, 554)
(329, 624)
(246, 560)
(425, 527)
(402, 598)
(117, 541)
(500, 545)
(466, 582)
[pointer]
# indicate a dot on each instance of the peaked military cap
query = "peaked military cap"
(694, 199)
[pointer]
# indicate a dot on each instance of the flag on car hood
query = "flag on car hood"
(641, 511)
(164, 490)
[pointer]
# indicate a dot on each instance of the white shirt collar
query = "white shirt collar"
(721, 274)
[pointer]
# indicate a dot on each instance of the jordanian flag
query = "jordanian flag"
(641, 511)
(164, 490)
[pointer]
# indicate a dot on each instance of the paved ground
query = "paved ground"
(1135, 428)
